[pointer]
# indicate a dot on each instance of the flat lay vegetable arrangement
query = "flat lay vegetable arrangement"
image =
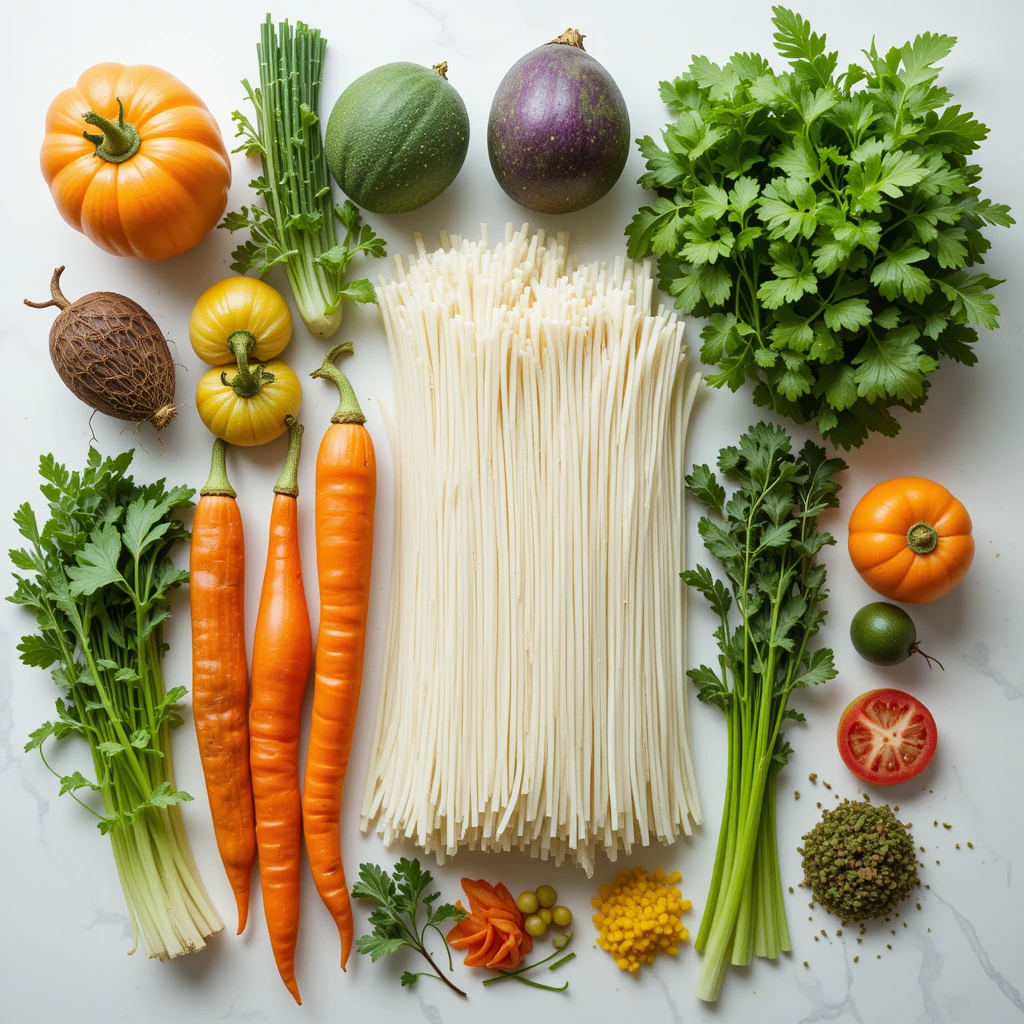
(830, 229)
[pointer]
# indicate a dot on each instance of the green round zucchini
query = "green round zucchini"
(397, 137)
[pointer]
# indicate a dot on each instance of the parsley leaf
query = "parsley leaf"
(808, 212)
(398, 898)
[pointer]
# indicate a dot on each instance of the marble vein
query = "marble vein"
(107, 917)
(235, 1013)
(978, 816)
(978, 659)
(9, 756)
(971, 934)
(928, 976)
(430, 1012)
(445, 37)
(831, 1010)
(677, 1017)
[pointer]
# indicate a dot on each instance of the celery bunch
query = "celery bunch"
(297, 227)
(98, 575)
(767, 540)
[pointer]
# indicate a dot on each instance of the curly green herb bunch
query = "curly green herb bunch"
(97, 577)
(769, 608)
(827, 224)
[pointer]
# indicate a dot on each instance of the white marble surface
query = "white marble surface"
(64, 931)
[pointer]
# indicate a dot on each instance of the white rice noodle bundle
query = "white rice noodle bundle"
(533, 693)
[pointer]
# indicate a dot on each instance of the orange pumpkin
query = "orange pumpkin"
(910, 539)
(153, 177)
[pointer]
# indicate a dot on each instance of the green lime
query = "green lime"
(884, 634)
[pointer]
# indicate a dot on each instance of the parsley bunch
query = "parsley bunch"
(826, 223)
(767, 539)
(97, 575)
(395, 917)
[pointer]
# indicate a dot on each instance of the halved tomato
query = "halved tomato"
(886, 737)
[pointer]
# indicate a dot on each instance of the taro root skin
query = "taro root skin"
(558, 131)
(112, 355)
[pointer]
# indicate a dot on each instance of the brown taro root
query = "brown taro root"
(110, 352)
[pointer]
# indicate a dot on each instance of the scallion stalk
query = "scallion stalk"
(297, 228)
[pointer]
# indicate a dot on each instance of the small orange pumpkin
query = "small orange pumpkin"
(153, 179)
(910, 539)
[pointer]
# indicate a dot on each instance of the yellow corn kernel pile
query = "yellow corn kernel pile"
(638, 917)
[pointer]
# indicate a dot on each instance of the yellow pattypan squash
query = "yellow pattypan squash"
(240, 316)
(247, 405)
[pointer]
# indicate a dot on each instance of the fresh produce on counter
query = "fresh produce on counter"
(250, 408)
(220, 674)
(297, 227)
(112, 355)
(240, 318)
(281, 655)
(558, 131)
(886, 737)
(828, 225)
(638, 917)
(493, 932)
(766, 537)
(910, 540)
(99, 573)
(398, 900)
(529, 693)
(346, 491)
(559, 956)
(397, 137)
(860, 861)
(885, 634)
(153, 179)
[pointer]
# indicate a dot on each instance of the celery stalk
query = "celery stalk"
(767, 540)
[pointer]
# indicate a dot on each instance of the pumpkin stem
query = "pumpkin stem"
(119, 141)
(57, 296)
(218, 482)
(441, 69)
(348, 410)
(571, 37)
(922, 538)
(249, 379)
(914, 649)
(288, 481)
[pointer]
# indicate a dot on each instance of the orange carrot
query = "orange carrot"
(281, 654)
(346, 488)
(494, 931)
(220, 678)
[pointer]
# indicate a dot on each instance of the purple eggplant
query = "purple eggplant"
(558, 132)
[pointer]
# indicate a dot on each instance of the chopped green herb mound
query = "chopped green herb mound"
(829, 226)
(859, 861)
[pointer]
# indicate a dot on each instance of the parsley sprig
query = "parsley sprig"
(97, 575)
(827, 224)
(767, 539)
(395, 917)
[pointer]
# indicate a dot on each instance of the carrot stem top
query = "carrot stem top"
(288, 481)
(218, 482)
(348, 410)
